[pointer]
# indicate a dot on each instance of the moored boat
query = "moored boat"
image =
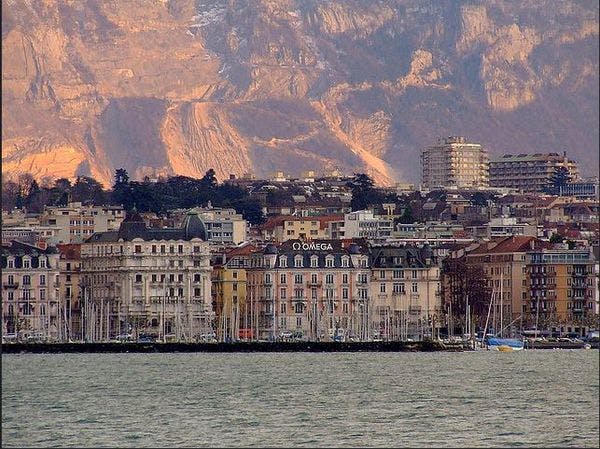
(505, 344)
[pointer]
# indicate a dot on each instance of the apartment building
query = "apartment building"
(365, 224)
(229, 292)
(504, 262)
(405, 292)
(317, 289)
(69, 264)
(529, 172)
(562, 286)
(144, 280)
(454, 163)
(76, 222)
(288, 227)
(30, 299)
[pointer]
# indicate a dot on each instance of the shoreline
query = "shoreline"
(157, 347)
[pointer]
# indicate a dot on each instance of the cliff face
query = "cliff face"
(253, 86)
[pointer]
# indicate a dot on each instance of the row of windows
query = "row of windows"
(26, 295)
(26, 263)
(314, 278)
(26, 279)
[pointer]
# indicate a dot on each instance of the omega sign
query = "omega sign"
(312, 246)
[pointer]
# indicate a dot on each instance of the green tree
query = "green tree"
(556, 238)
(560, 178)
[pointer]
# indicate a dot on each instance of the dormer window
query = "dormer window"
(26, 263)
(283, 261)
(314, 261)
(298, 262)
(42, 262)
(345, 261)
(11, 263)
(329, 261)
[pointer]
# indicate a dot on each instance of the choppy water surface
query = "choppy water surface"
(531, 398)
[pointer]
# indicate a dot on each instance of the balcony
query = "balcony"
(10, 285)
(414, 309)
(315, 284)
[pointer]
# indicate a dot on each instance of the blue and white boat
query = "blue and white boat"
(505, 344)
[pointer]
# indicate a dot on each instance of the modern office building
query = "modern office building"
(529, 172)
(454, 163)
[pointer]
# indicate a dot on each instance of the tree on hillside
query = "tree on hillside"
(87, 189)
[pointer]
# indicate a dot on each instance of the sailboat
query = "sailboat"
(501, 344)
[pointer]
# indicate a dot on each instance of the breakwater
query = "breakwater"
(111, 347)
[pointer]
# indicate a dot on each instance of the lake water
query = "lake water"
(538, 398)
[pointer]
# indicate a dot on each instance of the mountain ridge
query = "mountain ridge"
(178, 87)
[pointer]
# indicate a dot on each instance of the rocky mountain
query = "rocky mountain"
(180, 86)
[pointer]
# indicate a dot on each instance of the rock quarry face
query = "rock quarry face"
(178, 87)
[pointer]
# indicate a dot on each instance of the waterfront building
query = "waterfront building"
(76, 222)
(316, 290)
(30, 300)
(364, 224)
(229, 292)
(405, 292)
(562, 288)
(69, 292)
(504, 262)
(454, 163)
(144, 280)
(529, 172)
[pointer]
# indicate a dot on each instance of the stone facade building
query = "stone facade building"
(317, 290)
(142, 280)
(30, 299)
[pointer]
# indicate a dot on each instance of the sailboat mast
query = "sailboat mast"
(501, 305)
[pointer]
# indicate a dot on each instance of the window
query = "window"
(180, 249)
(26, 280)
(398, 288)
(329, 261)
(153, 278)
(197, 277)
(234, 274)
(196, 249)
(298, 279)
(138, 278)
(26, 263)
(180, 278)
(381, 274)
(345, 262)
(344, 293)
(196, 292)
(137, 249)
(414, 274)
(171, 249)
(267, 278)
(329, 278)
(162, 249)
(298, 262)
(298, 321)
(11, 279)
(298, 307)
(283, 307)
(344, 278)
(314, 261)
(11, 263)
(42, 262)
(345, 307)
(153, 249)
(398, 274)
(42, 279)
(283, 278)
(415, 287)
(235, 287)
(313, 292)
(283, 261)
(283, 293)
(313, 278)
(382, 288)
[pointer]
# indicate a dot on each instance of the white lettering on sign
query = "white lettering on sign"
(312, 246)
